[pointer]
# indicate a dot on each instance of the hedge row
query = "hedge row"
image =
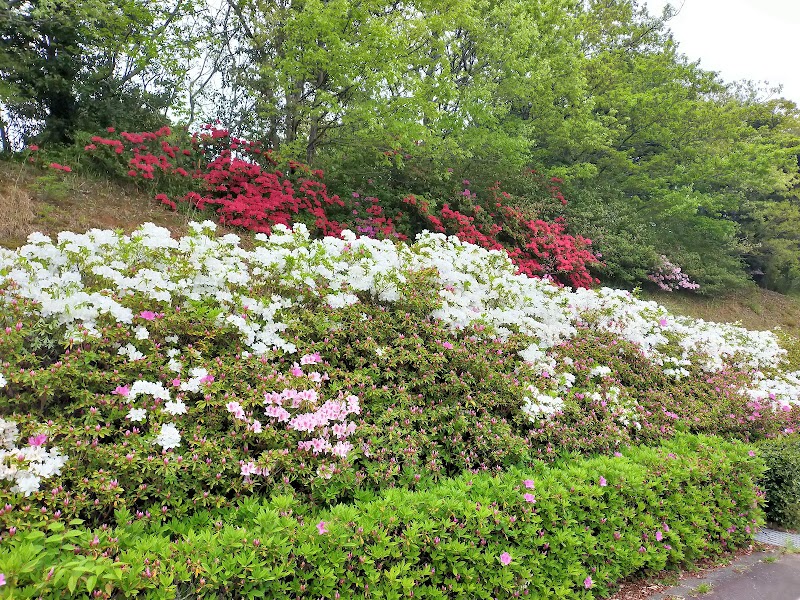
(781, 480)
(569, 530)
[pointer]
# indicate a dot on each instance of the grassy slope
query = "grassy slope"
(29, 202)
(755, 309)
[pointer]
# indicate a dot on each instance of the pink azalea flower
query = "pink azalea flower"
(528, 483)
(147, 315)
(505, 558)
(2, 579)
(321, 527)
(207, 379)
(603, 482)
(659, 536)
(751, 453)
(236, 409)
(529, 498)
(448, 345)
(311, 359)
(122, 390)
(38, 440)
(587, 583)
(296, 370)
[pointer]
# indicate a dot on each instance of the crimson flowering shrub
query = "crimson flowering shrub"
(538, 248)
(248, 196)
(244, 184)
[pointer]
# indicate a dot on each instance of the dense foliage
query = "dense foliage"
(665, 165)
(386, 388)
(254, 189)
(782, 481)
(535, 532)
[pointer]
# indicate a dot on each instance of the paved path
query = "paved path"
(779, 580)
(773, 575)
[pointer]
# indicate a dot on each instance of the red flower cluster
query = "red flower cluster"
(233, 175)
(249, 196)
(537, 247)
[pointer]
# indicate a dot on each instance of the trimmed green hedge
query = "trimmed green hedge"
(781, 480)
(590, 523)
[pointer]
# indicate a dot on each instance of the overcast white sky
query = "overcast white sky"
(741, 39)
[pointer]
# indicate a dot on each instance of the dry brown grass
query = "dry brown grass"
(31, 200)
(17, 209)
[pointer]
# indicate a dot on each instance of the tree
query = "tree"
(682, 148)
(68, 65)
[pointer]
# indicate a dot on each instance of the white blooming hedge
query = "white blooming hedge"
(83, 283)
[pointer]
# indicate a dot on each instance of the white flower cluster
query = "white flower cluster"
(781, 391)
(169, 437)
(540, 405)
(84, 279)
(29, 465)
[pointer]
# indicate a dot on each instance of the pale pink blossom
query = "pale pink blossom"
(311, 359)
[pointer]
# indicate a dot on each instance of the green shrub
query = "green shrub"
(781, 481)
(586, 524)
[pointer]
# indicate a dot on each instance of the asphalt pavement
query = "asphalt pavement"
(771, 575)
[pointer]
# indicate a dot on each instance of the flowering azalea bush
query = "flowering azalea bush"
(211, 168)
(250, 187)
(537, 247)
(669, 277)
(157, 380)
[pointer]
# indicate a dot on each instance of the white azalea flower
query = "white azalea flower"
(169, 437)
(137, 415)
(175, 408)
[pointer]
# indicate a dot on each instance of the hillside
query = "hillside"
(31, 202)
